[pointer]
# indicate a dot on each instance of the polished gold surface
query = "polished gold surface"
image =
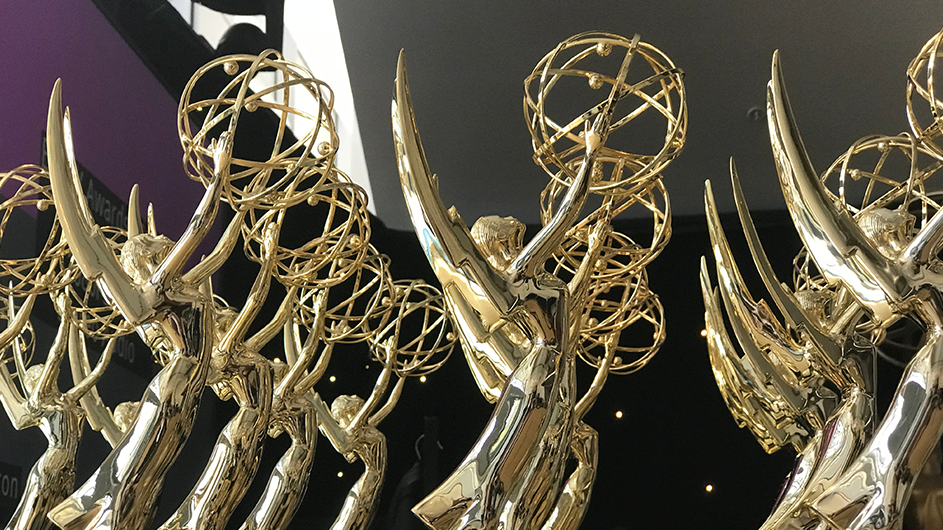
(523, 324)
(106, 281)
(30, 398)
(351, 423)
(173, 317)
(871, 229)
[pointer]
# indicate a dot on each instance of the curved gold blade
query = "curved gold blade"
(134, 213)
(753, 325)
(835, 242)
(443, 235)
(783, 299)
(475, 293)
(88, 245)
(744, 392)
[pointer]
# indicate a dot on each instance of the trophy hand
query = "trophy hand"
(593, 137)
(222, 154)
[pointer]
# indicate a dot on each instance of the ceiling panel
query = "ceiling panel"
(844, 64)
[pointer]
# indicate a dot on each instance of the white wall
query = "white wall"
(312, 39)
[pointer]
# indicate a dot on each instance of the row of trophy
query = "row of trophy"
(522, 313)
(334, 289)
(872, 233)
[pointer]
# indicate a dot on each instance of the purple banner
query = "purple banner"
(123, 120)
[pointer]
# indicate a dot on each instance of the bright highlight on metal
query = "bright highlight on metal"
(872, 231)
(198, 339)
(525, 313)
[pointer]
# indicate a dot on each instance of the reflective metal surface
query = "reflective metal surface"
(351, 423)
(335, 289)
(38, 402)
(239, 372)
(521, 325)
(810, 383)
(167, 313)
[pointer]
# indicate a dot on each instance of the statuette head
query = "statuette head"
(344, 408)
(889, 230)
(142, 254)
(500, 239)
(31, 377)
(125, 414)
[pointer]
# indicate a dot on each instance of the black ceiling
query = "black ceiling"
(844, 64)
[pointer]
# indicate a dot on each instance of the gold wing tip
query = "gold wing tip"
(401, 67)
(710, 205)
(134, 213)
(777, 90)
(776, 73)
(54, 116)
(55, 99)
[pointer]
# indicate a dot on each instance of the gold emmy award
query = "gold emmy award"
(335, 289)
(524, 313)
(872, 232)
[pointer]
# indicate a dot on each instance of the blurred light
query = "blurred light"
(709, 488)
(332, 379)
(422, 379)
(703, 332)
(619, 414)
(341, 474)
